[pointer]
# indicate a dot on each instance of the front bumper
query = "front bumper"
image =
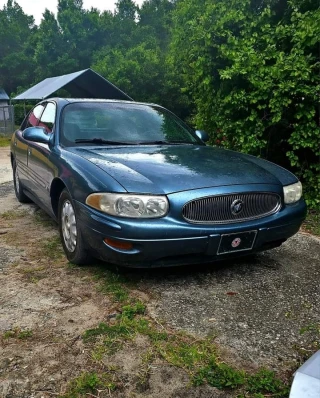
(169, 241)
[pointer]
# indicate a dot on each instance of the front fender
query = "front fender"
(81, 177)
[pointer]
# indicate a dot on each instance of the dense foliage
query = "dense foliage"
(247, 71)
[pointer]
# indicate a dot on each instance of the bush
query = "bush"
(253, 73)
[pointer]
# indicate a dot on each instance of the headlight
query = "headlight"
(129, 205)
(292, 193)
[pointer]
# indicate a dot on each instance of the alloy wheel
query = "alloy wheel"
(69, 227)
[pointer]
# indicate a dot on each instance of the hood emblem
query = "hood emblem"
(236, 206)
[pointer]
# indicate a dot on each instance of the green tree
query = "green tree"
(50, 52)
(15, 30)
(126, 10)
(253, 72)
(157, 15)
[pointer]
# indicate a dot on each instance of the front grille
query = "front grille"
(224, 209)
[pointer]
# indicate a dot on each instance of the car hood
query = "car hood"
(174, 168)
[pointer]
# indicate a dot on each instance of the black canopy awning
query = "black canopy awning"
(83, 84)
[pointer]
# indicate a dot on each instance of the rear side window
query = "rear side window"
(34, 116)
(48, 117)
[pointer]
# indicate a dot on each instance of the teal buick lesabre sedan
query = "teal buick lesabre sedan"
(133, 185)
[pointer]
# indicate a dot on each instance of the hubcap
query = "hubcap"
(16, 180)
(68, 224)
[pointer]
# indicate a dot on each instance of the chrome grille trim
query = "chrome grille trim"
(217, 209)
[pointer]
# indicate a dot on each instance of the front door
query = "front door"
(41, 169)
(22, 146)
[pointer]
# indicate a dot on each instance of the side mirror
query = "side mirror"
(203, 135)
(36, 134)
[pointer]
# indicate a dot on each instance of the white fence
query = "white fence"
(6, 119)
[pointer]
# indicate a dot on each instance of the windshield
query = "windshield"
(118, 123)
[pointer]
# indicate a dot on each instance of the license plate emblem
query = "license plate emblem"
(237, 242)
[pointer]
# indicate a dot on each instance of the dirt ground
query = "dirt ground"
(58, 303)
(5, 166)
(263, 311)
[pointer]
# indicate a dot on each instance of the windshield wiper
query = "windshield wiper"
(100, 141)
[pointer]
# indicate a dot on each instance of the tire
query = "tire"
(18, 188)
(70, 232)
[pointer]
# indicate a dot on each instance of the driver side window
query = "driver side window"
(34, 116)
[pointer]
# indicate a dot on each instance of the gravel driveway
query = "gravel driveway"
(257, 307)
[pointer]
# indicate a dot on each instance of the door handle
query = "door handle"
(15, 142)
(29, 152)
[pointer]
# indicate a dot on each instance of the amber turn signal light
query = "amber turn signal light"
(118, 244)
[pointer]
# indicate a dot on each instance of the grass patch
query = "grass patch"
(52, 248)
(90, 384)
(313, 330)
(113, 285)
(13, 214)
(114, 336)
(312, 222)
(130, 311)
(143, 375)
(44, 219)
(313, 327)
(18, 334)
(197, 357)
(5, 141)
(33, 274)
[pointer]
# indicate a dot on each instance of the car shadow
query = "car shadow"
(231, 268)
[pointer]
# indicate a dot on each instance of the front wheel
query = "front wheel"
(70, 232)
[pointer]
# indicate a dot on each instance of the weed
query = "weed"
(9, 334)
(130, 311)
(14, 214)
(99, 351)
(43, 219)
(18, 334)
(120, 330)
(265, 381)
(24, 334)
(259, 385)
(111, 283)
(142, 379)
(220, 376)
(4, 141)
(143, 375)
(89, 383)
(313, 330)
(197, 357)
(33, 274)
(313, 327)
(31, 270)
(188, 354)
(52, 248)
